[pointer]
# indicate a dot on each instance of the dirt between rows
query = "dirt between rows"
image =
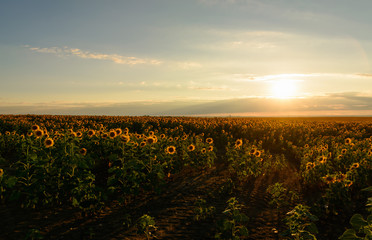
(172, 211)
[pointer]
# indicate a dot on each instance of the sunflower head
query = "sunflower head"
(171, 150)
(150, 140)
(39, 133)
(309, 165)
(238, 143)
(257, 153)
(348, 141)
(91, 133)
(49, 142)
(253, 151)
(191, 147)
(210, 148)
(83, 151)
(104, 135)
(125, 138)
(209, 140)
(118, 131)
(142, 144)
(354, 166)
(35, 127)
(329, 179)
(112, 134)
(322, 159)
(1, 172)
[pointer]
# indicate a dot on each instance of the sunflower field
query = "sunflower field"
(236, 178)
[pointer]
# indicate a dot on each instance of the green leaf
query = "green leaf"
(312, 228)
(11, 181)
(369, 219)
(368, 189)
(357, 221)
(349, 234)
(75, 202)
(243, 231)
(33, 156)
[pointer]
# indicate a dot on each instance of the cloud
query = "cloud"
(348, 103)
(188, 65)
(254, 77)
(116, 58)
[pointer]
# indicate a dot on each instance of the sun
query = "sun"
(283, 88)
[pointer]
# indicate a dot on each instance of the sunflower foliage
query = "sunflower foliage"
(361, 227)
(232, 226)
(301, 224)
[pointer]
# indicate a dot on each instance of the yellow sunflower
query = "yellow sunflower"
(48, 142)
(171, 150)
(83, 151)
(191, 147)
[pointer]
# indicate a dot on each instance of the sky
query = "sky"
(186, 57)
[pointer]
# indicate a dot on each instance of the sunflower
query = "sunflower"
(83, 151)
(125, 138)
(341, 177)
(171, 150)
(79, 134)
(209, 140)
(329, 179)
(104, 135)
(39, 133)
(29, 134)
(322, 159)
(112, 134)
(210, 148)
(91, 133)
(203, 150)
(162, 136)
(354, 166)
(257, 153)
(309, 165)
(348, 141)
(142, 144)
(35, 127)
(191, 147)
(118, 131)
(150, 140)
(238, 143)
(1, 172)
(343, 151)
(48, 142)
(253, 151)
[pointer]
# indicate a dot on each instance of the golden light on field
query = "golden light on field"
(283, 88)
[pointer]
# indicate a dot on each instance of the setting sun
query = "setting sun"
(283, 89)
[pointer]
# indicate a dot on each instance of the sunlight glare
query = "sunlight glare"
(283, 89)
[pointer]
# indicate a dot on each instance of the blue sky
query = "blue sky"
(165, 57)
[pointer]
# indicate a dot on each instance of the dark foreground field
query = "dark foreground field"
(320, 163)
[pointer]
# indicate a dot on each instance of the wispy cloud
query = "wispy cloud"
(294, 76)
(188, 65)
(116, 58)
